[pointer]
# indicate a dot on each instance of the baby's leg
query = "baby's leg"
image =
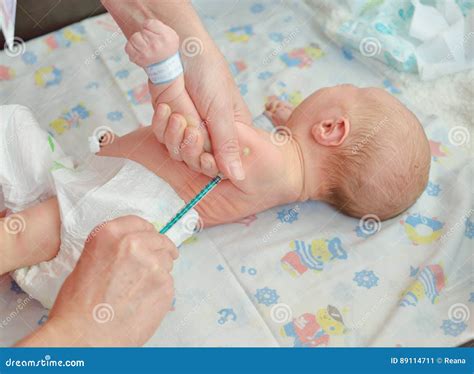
(30, 236)
(155, 43)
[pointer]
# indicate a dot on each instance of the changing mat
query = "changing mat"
(403, 282)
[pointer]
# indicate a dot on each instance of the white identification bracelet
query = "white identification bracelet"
(165, 71)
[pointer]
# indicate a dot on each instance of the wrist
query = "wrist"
(62, 332)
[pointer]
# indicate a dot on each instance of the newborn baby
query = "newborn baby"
(358, 149)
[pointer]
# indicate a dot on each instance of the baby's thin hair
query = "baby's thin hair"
(383, 165)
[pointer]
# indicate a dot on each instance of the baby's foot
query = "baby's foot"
(278, 111)
(157, 42)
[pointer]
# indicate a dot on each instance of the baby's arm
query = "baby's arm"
(268, 169)
(156, 46)
(30, 236)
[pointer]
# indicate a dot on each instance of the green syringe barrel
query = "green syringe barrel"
(194, 201)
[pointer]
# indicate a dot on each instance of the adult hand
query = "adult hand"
(207, 79)
(219, 103)
(119, 291)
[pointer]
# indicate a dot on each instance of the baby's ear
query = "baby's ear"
(331, 132)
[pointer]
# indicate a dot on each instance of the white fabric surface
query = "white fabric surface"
(33, 168)
(356, 299)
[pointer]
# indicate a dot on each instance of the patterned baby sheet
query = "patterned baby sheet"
(300, 275)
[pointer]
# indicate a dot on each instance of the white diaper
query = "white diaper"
(97, 191)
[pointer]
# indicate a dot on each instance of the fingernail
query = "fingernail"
(193, 134)
(163, 111)
(236, 170)
(206, 164)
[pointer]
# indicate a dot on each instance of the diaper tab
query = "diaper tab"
(94, 144)
(165, 71)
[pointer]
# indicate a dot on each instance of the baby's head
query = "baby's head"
(372, 154)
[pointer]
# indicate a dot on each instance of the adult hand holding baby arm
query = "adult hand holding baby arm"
(119, 291)
(208, 83)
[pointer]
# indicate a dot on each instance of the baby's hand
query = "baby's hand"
(186, 140)
(278, 111)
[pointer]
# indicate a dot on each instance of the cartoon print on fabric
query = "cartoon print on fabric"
(6, 73)
(438, 150)
(139, 94)
(469, 231)
(226, 315)
(429, 281)
(65, 38)
(313, 330)
(302, 57)
(266, 296)
(288, 215)
(237, 66)
(294, 97)
(70, 118)
(366, 278)
(48, 76)
(239, 34)
(314, 255)
(421, 229)
(433, 189)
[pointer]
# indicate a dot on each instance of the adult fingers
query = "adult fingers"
(122, 226)
(174, 135)
(223, 133)
(208, 164)
(160, 121)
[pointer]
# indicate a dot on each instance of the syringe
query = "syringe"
(195, 200)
